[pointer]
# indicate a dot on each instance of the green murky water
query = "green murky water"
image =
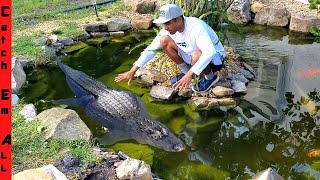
(275, 125)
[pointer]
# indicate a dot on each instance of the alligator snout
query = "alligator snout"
(179, 147)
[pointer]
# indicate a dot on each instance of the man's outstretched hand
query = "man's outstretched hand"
(124, 76)
(184, 82)
(127, 75)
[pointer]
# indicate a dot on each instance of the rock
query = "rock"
(226, 101)
(224, 83)
(53, 38)
(220, 91)
(141, 6)
(82, 37)
(48, 172)
(44, 41)
(14, 99)
(18, 75)
(213, 102)
(200, 102)
(185, 93)
(299, 23)
(28, 112)
(117, 34)
(67, 42)
(239, 87)
(162, 92)
(50, 51)
(58, 46)
(24, 60)
(249, 68)
(64, 124)
(238, 77)
(245, 73)
(156, 75)
(134, 169)
(100, 34)
(145, 79)
(141, 71)
(239, 12)
(256, 6)
(273, 16)
(141, 22)
(118, 24)
(96, 27)
(69, 164)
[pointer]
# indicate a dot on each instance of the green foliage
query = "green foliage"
(316, 32)
(313, 4)
(81, 149)
(213, 13)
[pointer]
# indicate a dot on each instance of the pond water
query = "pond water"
(275, 125)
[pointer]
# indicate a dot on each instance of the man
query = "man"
(186, 40)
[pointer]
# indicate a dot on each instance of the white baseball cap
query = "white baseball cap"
(168, 12)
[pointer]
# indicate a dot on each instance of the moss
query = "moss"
(191, 113)
(136, 151)
(316, 165)
(207, 126)
(162, 112)
(119, 40)
(75, 47)
(37, 91)
(177, 124)
(198, 171)
(98, 41)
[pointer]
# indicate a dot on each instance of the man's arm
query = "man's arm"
(207, 49)
(145, 57)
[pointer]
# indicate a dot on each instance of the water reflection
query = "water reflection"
(286, 117)
(275, 125)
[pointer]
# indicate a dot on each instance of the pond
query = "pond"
(275, 125)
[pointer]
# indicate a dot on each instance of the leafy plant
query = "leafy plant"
(316, 32)
(313, 4)
(214, 13)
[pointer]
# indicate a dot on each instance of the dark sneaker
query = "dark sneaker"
(176, 79)
(205, 85)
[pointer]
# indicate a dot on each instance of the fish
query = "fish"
(121, 112)
(314, 153)
(308, 73)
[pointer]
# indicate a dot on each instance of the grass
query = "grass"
(25, 44)
(31, 20)
(35, 18)
(30, 150)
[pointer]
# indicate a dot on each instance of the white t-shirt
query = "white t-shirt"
(197, 35)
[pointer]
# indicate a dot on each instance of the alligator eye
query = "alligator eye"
(164, 131)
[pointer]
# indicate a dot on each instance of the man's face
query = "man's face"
(172, 26)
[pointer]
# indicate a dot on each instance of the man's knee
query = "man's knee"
(195, 56)
(165, 40)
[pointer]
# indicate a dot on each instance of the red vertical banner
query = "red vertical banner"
(5, 88)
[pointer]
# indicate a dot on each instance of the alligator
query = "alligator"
(121, 112)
